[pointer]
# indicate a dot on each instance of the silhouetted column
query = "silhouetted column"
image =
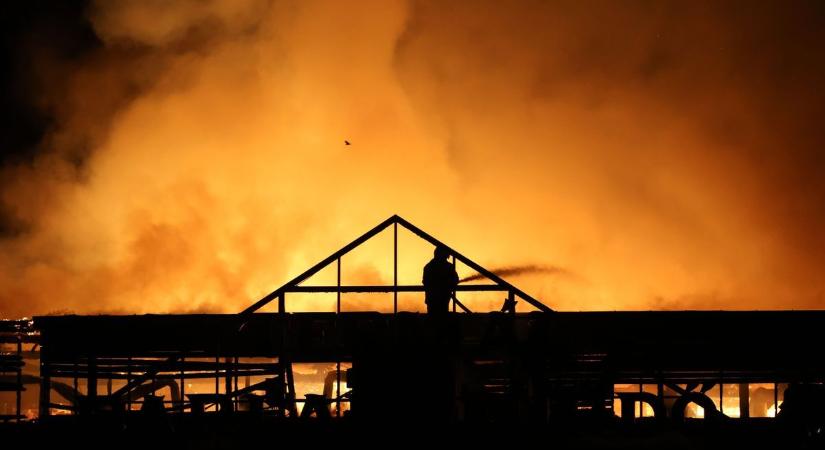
(91, 383)
(45, 388)
(744, 400)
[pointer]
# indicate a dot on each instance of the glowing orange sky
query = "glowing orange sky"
(662, 154)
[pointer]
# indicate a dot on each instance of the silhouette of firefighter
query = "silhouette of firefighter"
(440, 280)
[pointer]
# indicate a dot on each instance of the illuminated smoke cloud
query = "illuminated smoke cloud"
(195, 156)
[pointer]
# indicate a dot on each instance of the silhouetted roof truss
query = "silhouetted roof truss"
(294, 285)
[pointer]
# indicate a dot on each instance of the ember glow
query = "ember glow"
(668, 155)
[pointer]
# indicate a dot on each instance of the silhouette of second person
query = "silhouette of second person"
(440, 280)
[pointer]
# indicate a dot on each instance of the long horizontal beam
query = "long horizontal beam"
(389, 289)
(138, 366)
(117, 375)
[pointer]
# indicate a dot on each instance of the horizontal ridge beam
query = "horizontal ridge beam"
(388, 289)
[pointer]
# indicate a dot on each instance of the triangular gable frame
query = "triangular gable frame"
(294, 284)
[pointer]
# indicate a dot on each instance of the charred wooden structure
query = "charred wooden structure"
(15, 337)
(494, 366)
(540, 367)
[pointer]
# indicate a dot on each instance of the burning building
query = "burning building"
(522, 363)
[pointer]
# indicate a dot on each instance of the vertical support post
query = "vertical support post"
(217, 377)
(290, 383)
(76, 371)
(128, 382)
(235, 371)
(182, 382)
(453, 293)
(395, 268)
(660, 388)
(18, 399)
(227, 382)
(721, 394)
(775, 399)
(91, 382)
(338, 289)
(154, 386)
(641, 404)
(338, 389)
(45, 383)
(109, 385)
(337, 363)
(282, 303)
(744, 401)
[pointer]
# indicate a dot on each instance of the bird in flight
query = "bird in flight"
(346, 142)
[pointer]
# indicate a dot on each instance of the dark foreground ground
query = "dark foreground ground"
(235, 433)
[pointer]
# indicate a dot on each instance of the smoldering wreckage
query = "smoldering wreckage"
(738, 373)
